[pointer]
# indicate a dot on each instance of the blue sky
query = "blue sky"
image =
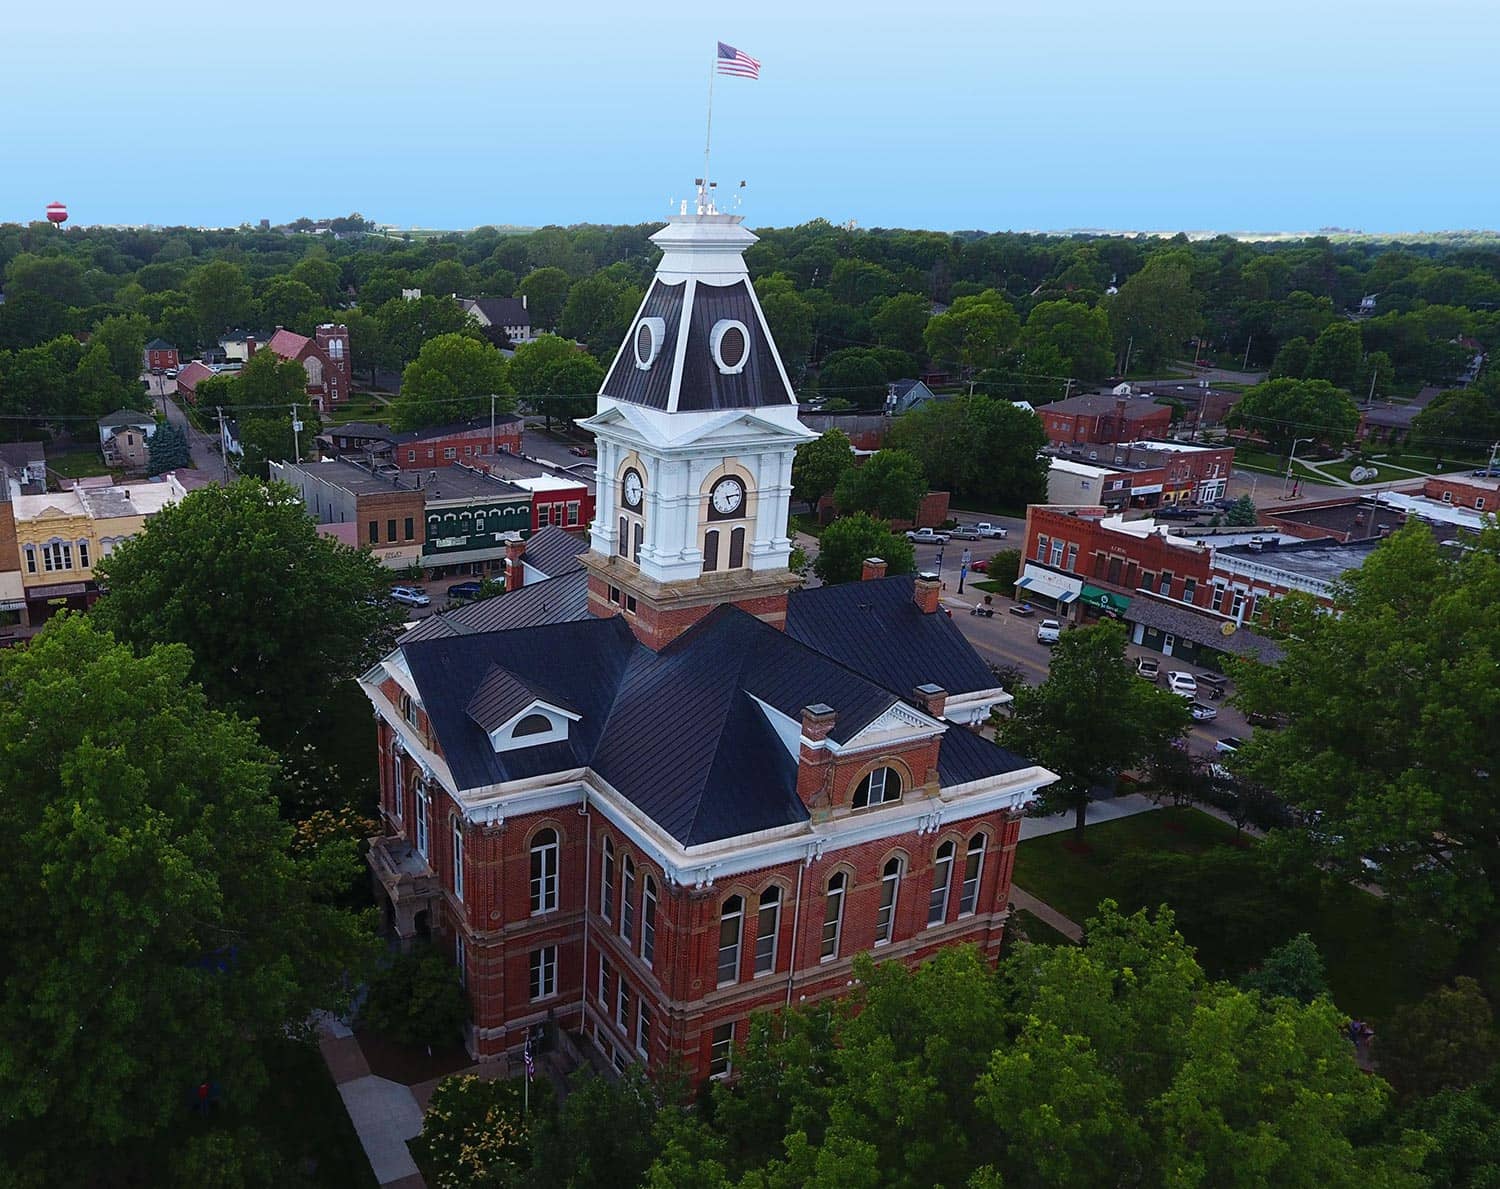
(1158, 115)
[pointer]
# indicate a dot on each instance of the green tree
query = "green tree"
(55, 278)
(1465, 1130)
(289, 303)
(601, 1134)
(220, 297)
(856, 376)
(97, 387)
(452, 378)
(168, 450)
(598, 313)
(475, 1133)
(555, 375)
(1446, 1041)
(406, 325)
(790, 319)
(369, 349)
(1281, 411)
(1292, 359)
(124, 340)
(889, 485)
(1079, 334)
(1293, 970)
(900, 321)
(277, 614)
(415, 999)
(983, 448)
(849, 540)
(322, 277)
(260, 397)
(820, 464)
(1091, 719)
(447, 278)
(1156, 311)
(974, 332)
(1242, 513)
(1387, 708)
(1337, 355)
(545, 291)
(162, 933)
(1461, 421)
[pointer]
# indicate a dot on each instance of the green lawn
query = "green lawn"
(1387, 471)
(1023, 925)
(361, 406)
(1272, 464)
(76, 463)
(806, 524)
(1375, 958)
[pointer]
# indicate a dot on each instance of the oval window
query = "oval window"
(730, 343)
(649, 333)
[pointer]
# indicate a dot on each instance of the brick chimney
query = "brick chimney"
(1119, 420)
(815, 762)
(515, 574)
(925, 591)
(931, 698)
(874, 567)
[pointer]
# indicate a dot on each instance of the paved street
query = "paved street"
(201, 445)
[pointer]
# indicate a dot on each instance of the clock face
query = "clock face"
(633, 488)
(728, 495)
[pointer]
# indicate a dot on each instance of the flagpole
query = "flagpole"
(708, 136)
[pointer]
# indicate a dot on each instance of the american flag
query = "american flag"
(530, 1064)
(737, 62)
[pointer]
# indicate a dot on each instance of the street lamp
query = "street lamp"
(1290, 458)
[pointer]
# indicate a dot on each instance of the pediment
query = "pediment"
(898, 718)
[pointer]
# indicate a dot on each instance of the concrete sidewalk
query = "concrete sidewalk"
(385, 1114)
(1026, 902)
(1098, 811)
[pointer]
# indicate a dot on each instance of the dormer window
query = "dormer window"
(880, 787)
(532, 724)
(514, 713)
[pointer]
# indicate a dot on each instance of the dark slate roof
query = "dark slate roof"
(653, 386)
(555, 551)
(160, 345)
(558, 600)
(1205, 630)
(681, 733)
(504, 311)
(964, 756)
(127, 417)
(703, 385)
(876, 628)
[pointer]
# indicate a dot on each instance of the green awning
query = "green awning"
(1104, 600)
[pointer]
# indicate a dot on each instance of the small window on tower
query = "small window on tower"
(730, 343)
(649, 334)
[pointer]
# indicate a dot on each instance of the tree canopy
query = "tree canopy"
(849, 540)
(1156, 310)
(277, 614)
(820, 464)
(161, 932)
(452, 378)
(1281, 411)
(1387, 739)
(1091, 719)
(980, 448)
(889, 485)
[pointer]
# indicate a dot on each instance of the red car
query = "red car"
(982, 566)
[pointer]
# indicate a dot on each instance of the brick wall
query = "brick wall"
(656, 627)
(381, 508)
(1463, 492)
(1114, 560)
(467, 445)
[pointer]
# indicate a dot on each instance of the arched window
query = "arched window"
(767, 930)
(607, 882)
(627, 899)
(968, 898)
(532, 724)
(890, 884)
(408, 710)
(942, 881)
(878, 788)
(711, 551)
(458, 859)
(833, 916)
(423, 803)
(737, 548)
(544, 871)
(731, 919)
(398, 782)
(648, 920)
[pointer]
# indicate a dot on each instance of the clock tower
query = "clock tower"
(696, 428)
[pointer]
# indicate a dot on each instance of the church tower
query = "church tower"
(696, 428)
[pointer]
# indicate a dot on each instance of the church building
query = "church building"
(651, 795)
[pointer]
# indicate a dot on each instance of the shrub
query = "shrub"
(475, 1133)
(416, 999)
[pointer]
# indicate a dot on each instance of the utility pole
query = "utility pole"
(1125, 372)
(1068, 391)
(1245, 366)
(1370, 399)
(492, 429)
(223, 438)
(296, 431)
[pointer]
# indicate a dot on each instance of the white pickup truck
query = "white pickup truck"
(926, 536)
(985, 529)
(978, 532)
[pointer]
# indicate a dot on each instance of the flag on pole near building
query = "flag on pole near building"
(737, 62)
(530, 1064)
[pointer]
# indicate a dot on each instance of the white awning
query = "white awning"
(1147, 489)
(1048, 585)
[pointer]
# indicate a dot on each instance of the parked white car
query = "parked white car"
(1049, 631)
(1184, 685)
(921, 536)
(412, 596)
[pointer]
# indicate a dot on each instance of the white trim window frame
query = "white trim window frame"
(767, 930)
(942, 884)
(968, 899)
(544, 865)
(833, 916)
(458, 859)
(731, 925)
(721, 1052)
(890, 894)
(543, 973)
(607, 882)
(648, 920)
(424, 803)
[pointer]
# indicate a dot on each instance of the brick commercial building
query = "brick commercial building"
(160, 356)
(1158, 473)
(324, 357)
(1103, 419)
(471, 442)
(646, 798)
